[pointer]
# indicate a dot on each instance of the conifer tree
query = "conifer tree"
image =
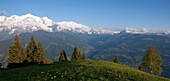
(35, 55)
(41, 53)
(116, 60)
(79, 56)
(84, 56)
(16, 52)
(32, 51)
(152, 61)
(63, 56)
(75, 55)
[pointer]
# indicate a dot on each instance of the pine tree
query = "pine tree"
(84, 56)
(79, 56)
(63, 56)
(41, 53)
(16, 52)
(116, 60)
(152, 62)
(32, 51)
(75, 55)
(35, 55)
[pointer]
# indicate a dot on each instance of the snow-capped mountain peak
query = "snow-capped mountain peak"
(29, 15)
(25, 23)
(145, 31)
(29, 23)
(80, 28)
(136, 31)
(73, 26)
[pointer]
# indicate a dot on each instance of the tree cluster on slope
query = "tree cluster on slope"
(33, 54)
(76, 56)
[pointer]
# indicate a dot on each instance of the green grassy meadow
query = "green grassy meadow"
(88, 70)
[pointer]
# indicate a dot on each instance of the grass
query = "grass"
(89, 70)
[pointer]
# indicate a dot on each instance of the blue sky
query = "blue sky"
(114, 14)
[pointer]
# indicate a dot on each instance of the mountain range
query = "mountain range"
(10, 26)
(29, 23)
(129, 45)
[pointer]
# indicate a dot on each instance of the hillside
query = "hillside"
(84, 70)
(130, 48)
